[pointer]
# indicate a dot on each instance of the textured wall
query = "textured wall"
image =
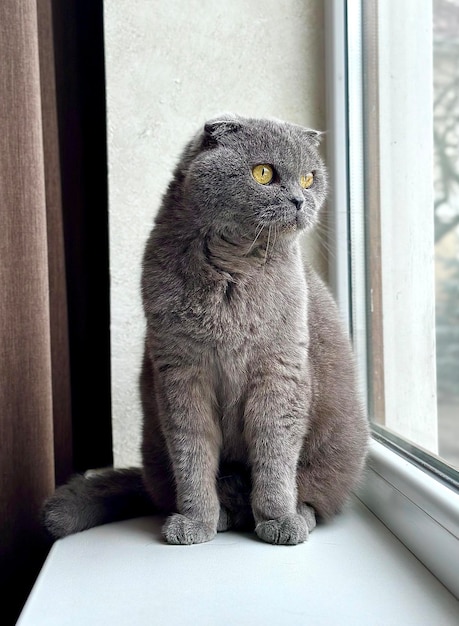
(170, 66)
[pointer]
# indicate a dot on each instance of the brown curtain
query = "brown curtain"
(54, 280)
(35, 425)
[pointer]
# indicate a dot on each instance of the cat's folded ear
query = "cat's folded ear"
(314, 137)
(216, 129)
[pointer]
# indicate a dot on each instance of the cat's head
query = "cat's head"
(242, 174)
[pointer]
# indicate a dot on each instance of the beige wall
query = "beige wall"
(171, 65)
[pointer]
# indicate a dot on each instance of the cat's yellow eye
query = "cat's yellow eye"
(306, 180)
(263, 174)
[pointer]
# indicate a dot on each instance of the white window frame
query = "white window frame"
(416, 506)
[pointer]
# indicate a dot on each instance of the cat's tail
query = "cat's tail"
(96, 498)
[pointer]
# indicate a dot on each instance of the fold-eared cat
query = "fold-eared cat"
(251, 413)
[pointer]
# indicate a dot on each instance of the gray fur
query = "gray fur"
(251, 414)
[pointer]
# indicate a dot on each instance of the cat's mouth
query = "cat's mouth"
(289, 223)
(287, 220)
(301, 219)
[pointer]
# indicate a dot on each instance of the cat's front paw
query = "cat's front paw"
(288, 530)
(181, 530)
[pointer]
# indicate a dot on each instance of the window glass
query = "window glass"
(411, 162)
(446, 219)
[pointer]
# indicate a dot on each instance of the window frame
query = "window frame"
(417, 506)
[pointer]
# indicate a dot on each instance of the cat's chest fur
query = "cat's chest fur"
(243, 317)
(254, 321)
(230, 327)
(253, 311)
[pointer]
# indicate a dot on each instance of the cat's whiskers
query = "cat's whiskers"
(324, 247)
(267, 246)
(275, 236)
(257, 234)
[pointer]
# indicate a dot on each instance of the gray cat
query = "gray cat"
(251, 414)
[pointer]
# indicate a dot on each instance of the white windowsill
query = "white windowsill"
(352, 571)
(421, 511)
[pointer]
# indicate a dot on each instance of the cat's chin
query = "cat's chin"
(295, 224)
(303, 221)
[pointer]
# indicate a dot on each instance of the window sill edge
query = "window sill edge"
(422, 512)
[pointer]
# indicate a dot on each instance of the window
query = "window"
(394, 120)
(446, 221)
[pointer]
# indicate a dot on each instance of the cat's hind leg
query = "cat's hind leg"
(308, 513)
(234, 487)
(237, 519)
(224, 520)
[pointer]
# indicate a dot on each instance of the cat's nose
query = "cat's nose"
(298, 202)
